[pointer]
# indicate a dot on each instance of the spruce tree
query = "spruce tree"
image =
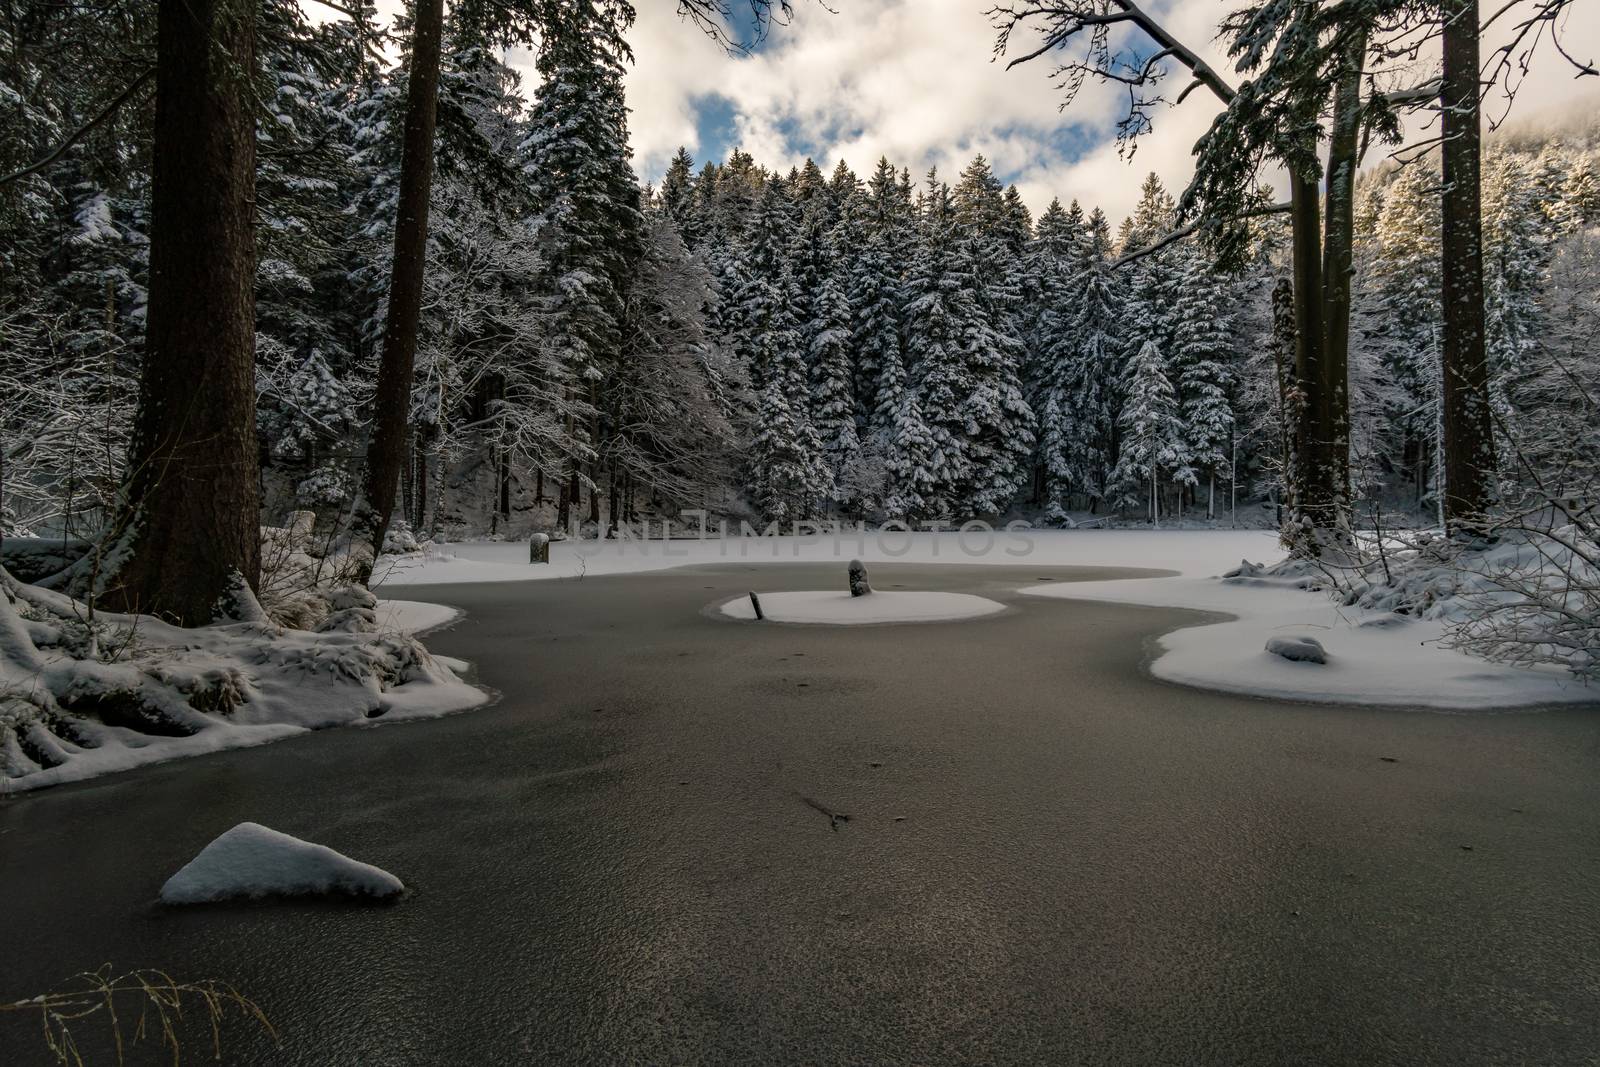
(1150, 425)
(587, 203)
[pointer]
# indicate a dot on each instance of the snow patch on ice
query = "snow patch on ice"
(841, 609)
(414, 616)
(1372, 658)
(252, 861)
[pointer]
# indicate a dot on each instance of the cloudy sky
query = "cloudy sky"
(913, 80)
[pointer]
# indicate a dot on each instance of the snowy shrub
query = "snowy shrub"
(298, 573)
(33, 558)
(1530, 597)
(327, 486)
(400, 540)
(1535, 600)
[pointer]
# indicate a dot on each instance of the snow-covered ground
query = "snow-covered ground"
(1188, 552)
(139, 701)
(252, 861)
(839, 608)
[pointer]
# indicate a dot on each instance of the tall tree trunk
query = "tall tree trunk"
(503, 464)
(1283, 351)
(1318, 473)
(1468, 431)
(191, 514)
(422, 489)
(1338, 263)
(392, 404)
(408, 482)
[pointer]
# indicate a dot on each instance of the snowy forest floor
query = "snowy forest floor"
(1373, 657)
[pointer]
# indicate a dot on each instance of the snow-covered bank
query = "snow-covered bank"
(1189, 552)
(839, 608)
(252, 861)
(1374, 657)
(82, 698)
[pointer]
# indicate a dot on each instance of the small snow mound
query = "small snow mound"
(1387, 621)
(252, 861)
(1298, 649)
(843, 609)
(1245, 569)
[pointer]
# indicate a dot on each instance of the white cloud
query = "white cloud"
(913, 80)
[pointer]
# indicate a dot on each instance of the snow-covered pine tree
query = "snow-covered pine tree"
(788, 472)
(873, 287)
(1404, 294)
(673, 432)
(1517, 237)
(678, 197)
(1051, 260)
(1150, 426)
(1153, 280)
(910, 481)
(1203, 362)
(966, 360)
(833, 404)
(995, 232)
(587, 200)
(1085, 360)
(939, 304)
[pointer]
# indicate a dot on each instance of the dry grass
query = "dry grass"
(145, 1005)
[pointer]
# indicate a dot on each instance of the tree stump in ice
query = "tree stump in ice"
(858, 579)
(539, 548)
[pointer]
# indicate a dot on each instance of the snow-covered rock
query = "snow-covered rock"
(1299, 649)
(252, 861)
(842, 609)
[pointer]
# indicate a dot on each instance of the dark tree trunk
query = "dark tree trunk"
(408, 484)
(1338, 267)
(422, 489)
(1283, 335)
(191, 517)
(1468, 430)
(504, 463)
(1307, 470)
(391, 407)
